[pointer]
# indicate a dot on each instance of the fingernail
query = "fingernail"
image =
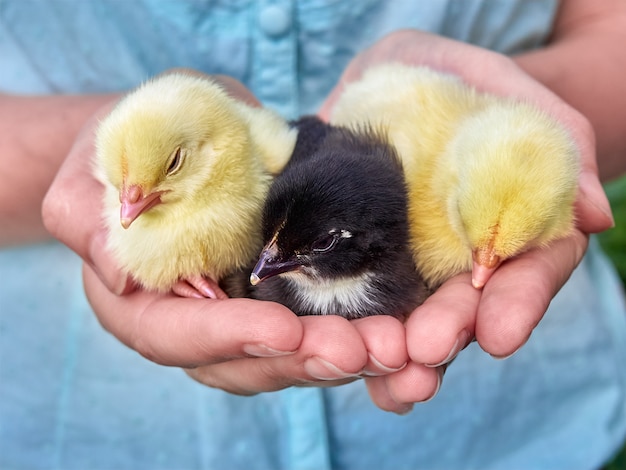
(461, 341)
(501, 358)
(208, 292)
(261, 350)
(321, 369)
(380, 368)
(404, 409)
(594, 193)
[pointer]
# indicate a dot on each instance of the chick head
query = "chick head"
(516, 172)
(173, 138)
(333, 216)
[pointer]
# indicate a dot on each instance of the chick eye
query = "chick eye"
(325, 243)
(175, 162)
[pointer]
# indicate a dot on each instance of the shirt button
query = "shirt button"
(274, 20)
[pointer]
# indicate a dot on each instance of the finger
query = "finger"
(444, 324)
(380, 396)
(398, 391)
(236, 89)
(247, 377)
(385, 342)
(183, 332)
(231, 85)
(199, 287)
(415, 383)
(593, 210)
(68, 213)
(325, 111)
(331, 353)
(72, 209)
(519, 293)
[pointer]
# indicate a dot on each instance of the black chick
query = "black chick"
(336, 229)
(311, 132)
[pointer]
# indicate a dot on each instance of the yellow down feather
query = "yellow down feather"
(209, 219)
(486, 175)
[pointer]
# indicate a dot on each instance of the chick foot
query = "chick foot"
(199, 287)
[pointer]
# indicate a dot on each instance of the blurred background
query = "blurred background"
(614, 243)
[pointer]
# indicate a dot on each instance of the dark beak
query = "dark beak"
(270, 264)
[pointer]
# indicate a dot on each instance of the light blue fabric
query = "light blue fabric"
(105, 45)
(73, 397)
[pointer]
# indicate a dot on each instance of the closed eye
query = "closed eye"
(176, 161)
(325, 243)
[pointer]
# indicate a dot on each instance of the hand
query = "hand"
(239, 345)
(502, 316)
(245, 346)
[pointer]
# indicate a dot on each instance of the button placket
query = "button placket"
(274, 71)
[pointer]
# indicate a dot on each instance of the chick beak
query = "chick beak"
(485, 264)
(271, 264)
(134, 203)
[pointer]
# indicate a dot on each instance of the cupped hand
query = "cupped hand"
(238, 345)
(503, 315)
(247, 346)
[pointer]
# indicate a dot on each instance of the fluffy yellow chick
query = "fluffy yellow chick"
(186, 170)
(489, 177)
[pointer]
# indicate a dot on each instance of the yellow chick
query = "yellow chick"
(489, 177)
(186, 170)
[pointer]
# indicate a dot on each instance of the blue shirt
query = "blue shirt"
(73, 397)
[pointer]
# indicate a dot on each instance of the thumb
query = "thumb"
(72, 210)
(593, 210)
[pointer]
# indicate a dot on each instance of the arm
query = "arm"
(584, 64)
(37, 134)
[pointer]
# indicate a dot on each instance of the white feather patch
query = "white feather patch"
(352, 294)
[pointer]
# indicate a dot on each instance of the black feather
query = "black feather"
(346, 191)
(311, 133)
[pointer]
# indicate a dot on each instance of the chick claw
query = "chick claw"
(200, 288)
